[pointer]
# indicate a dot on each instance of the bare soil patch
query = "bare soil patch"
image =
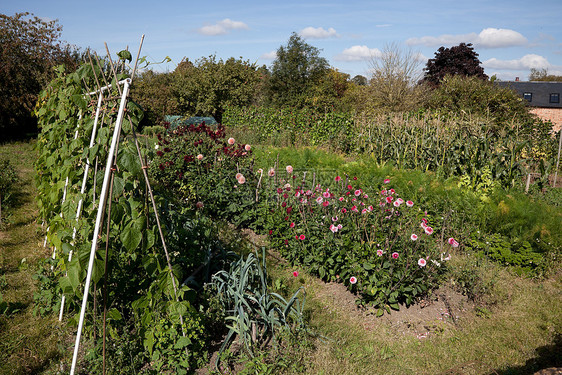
(443, 308)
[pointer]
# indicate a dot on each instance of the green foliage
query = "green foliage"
(451, 147)
(208, 87)
(296, 70)
(139, 284)
(480, 98)
(542, 75)
(510, 252)
(394, 82)
(205, 171)
(254, 314)
(153, 92)
(29, 48)
(293, 126)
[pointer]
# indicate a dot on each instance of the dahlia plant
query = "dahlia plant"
(377, 243)
(207, 171)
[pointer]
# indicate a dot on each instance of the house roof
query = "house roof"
(541, 92)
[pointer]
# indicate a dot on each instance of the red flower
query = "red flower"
(295, 273)
(270, 232)
(289, 209)
(302, 237)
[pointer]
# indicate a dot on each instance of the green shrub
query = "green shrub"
(478, 97)
(510, 252)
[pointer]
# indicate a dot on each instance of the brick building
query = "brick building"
(542, 97)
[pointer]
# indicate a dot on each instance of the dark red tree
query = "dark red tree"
(457, 60)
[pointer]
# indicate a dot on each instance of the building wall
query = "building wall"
(552, 114)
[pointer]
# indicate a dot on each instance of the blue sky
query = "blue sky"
(510, 36)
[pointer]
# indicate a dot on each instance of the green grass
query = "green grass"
(520, 333)
(28, 343)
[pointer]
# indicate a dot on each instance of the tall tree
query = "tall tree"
(297, 68)
(29, 48)
(542, 75)
(208, 86)
(457, 60)
(393, 85)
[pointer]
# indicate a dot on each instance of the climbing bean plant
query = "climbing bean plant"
(137, 278)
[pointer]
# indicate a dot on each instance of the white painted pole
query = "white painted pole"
(103, 197)
(82, 190)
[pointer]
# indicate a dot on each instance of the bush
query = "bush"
(479, 98)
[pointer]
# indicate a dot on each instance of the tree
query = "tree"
(153, 91)
(329, 91)
(542, 75)
(393, 85)
(208, 86)
(297, 68)
(472, 95)
(457, 60)
(29, 48)
(360, 80)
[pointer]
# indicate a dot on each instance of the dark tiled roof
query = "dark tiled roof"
(540, 92)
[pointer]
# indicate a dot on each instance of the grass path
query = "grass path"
(28, 343)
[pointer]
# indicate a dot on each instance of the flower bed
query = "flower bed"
(377, 243)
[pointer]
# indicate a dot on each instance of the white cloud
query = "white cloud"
(269, 55)
(318, 33)
(358, 53)
(384, 25)
(222, 27)
(488, 38)
(524, 63)
(496, 38)
(445, 39)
